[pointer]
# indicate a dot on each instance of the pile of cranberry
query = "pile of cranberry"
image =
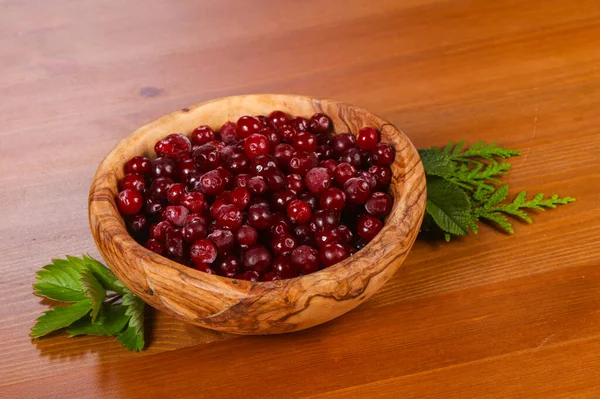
(262, 199)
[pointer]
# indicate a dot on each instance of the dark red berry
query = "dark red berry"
(262, 162)
(299, 123)
(203, 251)
(295, 183)
(324, 219)
(206, 157)
(223, 239)
(133, 181)
(159, 187)
(173, 146)
(246, 236)
(194, 230)
(158, 230)
(140, 165)
(175, 193)
(309, 198)
(330, 164)
(382, 154)
(203, 267)
(345, 234)
(257, 258)
(228, 266)
(282, 198)
(327, 236)
(368, 226)
(305, 259)
(185, 167)
(164, 167)
(257, 185)
(228, 133)
(212, 183)
(305, 141)
(298, 212)
(343, 172)
(237, 163)
(259, 216)
(230, 217)
(256, 144)
(241, 179)
(248, 125)
(130, 201)
(276, 119)
(270, 276)
(249, 275)
(342, 143)
(138, 224)
(283, 244)
(324, 152)
(369, 178)
(194, 201)
(174, 246)
(382, 174)
(353, 156)
(367, 138)
(240, 197)
(155, 246)
(319, 123)
(176, 214)
(304, 234)
(283, 267)
(357, 190)
(301, 162)
(153, 206)
(331, 254)
(318, 179)
(379, 204)
(202, 135)
(283, 153)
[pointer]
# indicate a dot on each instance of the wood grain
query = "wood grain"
(490, 316)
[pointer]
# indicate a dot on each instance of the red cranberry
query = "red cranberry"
(332, 253)
(271, 135)
(176, 214)
(219, 145)
(206, 157)
(250, 275)
(304, 234)
(368, 226)
(173, 146)
(202, 135)
(287, 133)
(140, 165)
(298, 212)
(279, 225)
(301, 163)
(329, 164)
(194, 230)
(295, 183)
(283, 153)
(138, 224)
(299, 123)
(382, 154)
(153, 206)
(276, 119)
(282, 198)
(133, 181)
(382, 174)
(240, 197)
(226, 176)
(324, 219)
(353, 156)
(229, 266)
(164, 167)
(158, 231)
(379, 204)
(203, 251)
(333, 199)
(204, 267)
(259, 217)
(283, 267)
(230, 218)
(194, 201)
(305, 141)
(130, 201)
(228, 133)
(246, 236)
(270, 276)
(223, 239)
(155, 246)
(212, 183)
(257, 258)
(319, 123)
(217, 206)
(324, 152)
(327, 236)
(257, 185)
(262, 162)
(256, 144)
(175, 193)
(229, 151)
(306, 259)
(241, 179)
(369, 178)
(318, 180)
(367, 138)
(345, 234)
(357, 190)
(248, 125)
(274, 178)
(174, 246)
(159, 187)
(186, 166)
(342, 143)
(283, 244)
(343, 172)
(237, 163)
(309, 198)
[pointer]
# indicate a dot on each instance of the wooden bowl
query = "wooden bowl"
(243, 307)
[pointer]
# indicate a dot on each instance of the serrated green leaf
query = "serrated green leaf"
(498, 196)
(60, 317)
(104, 275)
(436, 163)
(134, 308)
(59, 281)
(130, 339)
(499, 219)
(448, 205)
(93, 290)
(110, 321)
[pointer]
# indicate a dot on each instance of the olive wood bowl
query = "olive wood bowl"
(243, 307)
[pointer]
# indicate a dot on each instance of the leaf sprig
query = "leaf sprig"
(463, 189)
(99, 303)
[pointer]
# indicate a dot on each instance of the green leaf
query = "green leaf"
(436, 163)
(131, 340)
(60, 317)
(59, 281)
(448, 205)
(498, 196)
(110, 321)
(134, 308)
(93, 290)
(105, 276)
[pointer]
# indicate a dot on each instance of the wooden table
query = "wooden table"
(487, 316)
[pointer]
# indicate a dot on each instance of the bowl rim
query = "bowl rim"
(106, 221)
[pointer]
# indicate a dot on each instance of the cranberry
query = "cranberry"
(173, 146)
(248, 125)
(223, 239)
(295, 183)
(155, 246)
(332, 253)
(304, 234)
(323, 219)
(279, 225)
(203, 251)
(382, 174)
(206, 157)
(246, 236)
(283, 267)
(318, 180)
(257, 185)
(301, 163)
(345, 234)
(250, 275)
(175, 193)
(287, 133)
(176, 214)
(237, 163)
(342, 143)
(140, 165)
(382, 154)
(153, 206)
(158, 230)
(230, 151)
(186, 166)
(202, 135)
(229, 266)
(204, 267)
(327, 236)
(274, 178)
(283, 244)
(159, 187)
(217, 206)
(333, 199)
(367, 138)
(212, 183)
(259, 216)
(174, 246)
(133, 181)
(270, 276)
(241, 179)
(305, 259)
(379, 204)
(194, 230)
(324, 152)
(130, 201)
(194, 201)
(299, 123)
(309, 198)
(343, 172)
(298, 212)
(283, 153)
(257, 258)
(357, 190)
(282, 198)
(226, 176)
(329, 164)
(230, 218)
(276, 119)
(228, 133)
(262, 162)
(270, 134)
(368, 226)
(369, 178)
(164, 167)
(353, 156)
(256, 144)
(305, 141)
(240, 197)
(138, 224)
(319, 123)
